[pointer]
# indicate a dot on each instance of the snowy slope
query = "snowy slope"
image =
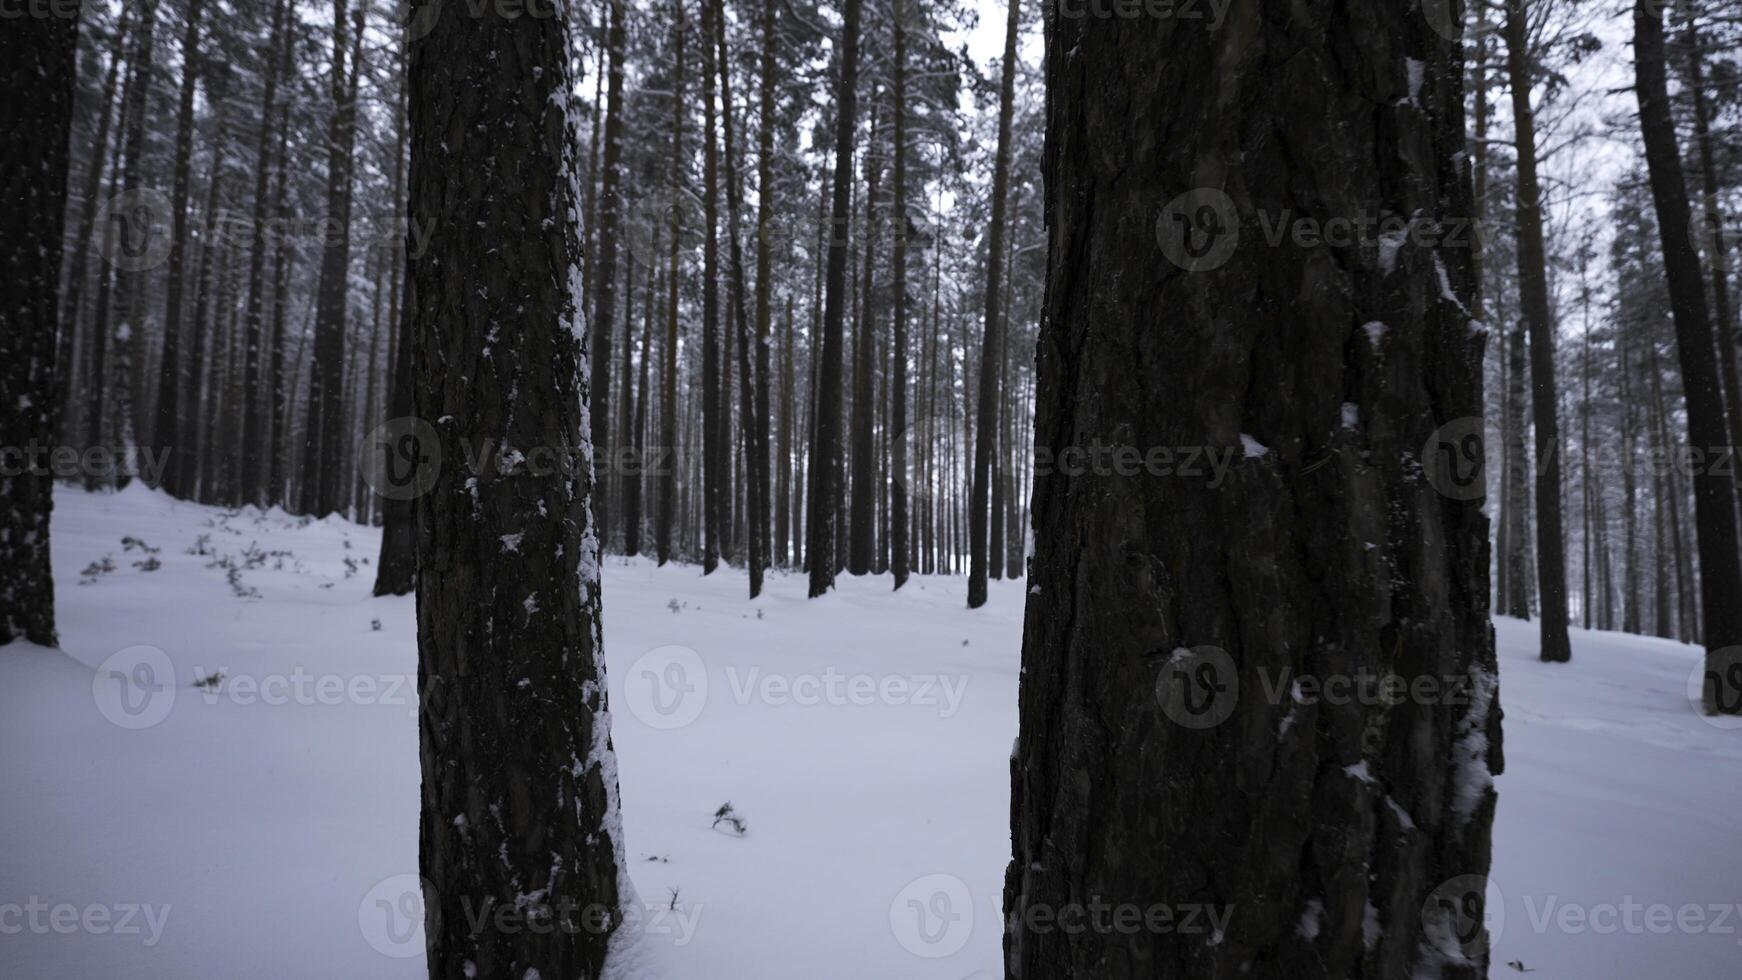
(269, 825)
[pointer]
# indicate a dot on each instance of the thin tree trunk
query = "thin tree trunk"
(667, 448)
(986, 414)
(1714, 499)
(1551, 570)
(825, 456)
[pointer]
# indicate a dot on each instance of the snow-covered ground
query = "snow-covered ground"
(268, 825)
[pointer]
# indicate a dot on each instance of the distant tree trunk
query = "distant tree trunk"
(195, 458)
(783, 494)
(396, 568)
(77, 270)
(278, 387)
(1630, 589)
(754, 558)
(605, 307)
(1714, 500)
(632, 485)
(1712, 219)
(716, 452)
(520, 807)
(125, 380)
(861, 499)
(898, 463)
(39, 56)
(254, 409)
(1348, 839)
(1515, 522)
(667, 448)
(1551, 568)
(824, 499)
(765, 286)
(166, 429)
(626, 467)
(324, 431)
(986, 413)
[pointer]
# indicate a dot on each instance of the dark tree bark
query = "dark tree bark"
(1331, 551)
(898, 529)
(1514, 521)
(825, 457)
(749, 421)
(254, 410)
(39, 56)
(171, 381)
(716, 451)
(324, 431)
(1712, 219)
(396, 567)
(77, 270)
(861, 499)
(1714, 500)
(986, 411)
(519, 779)
(764, 284)
(1551, 570)
(665, 522)
(605, 307)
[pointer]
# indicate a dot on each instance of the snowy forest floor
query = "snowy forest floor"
(268, 825)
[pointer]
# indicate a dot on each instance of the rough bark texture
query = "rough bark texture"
(254, 411)
(519, 781)
(1335, 836)
(39, 55)
(1714, 500)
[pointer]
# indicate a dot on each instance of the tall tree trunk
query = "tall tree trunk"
(40, 55)
(716, 451)
(749, 421)
(1348, 840)
(1714, 500)
(166, 429)
(667, 448)
(520, 807)
(1712, 221)
(1551, 568)
(605, 307)
(396, 568)
(1515, 522)
(764, 285)
(195, 457)
(254, 410)
(278, 387)
(825, 456)
(324, 431)
(986, 413)
(1630, 591)
(862, 500)
(77, 270)
(899, 544)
